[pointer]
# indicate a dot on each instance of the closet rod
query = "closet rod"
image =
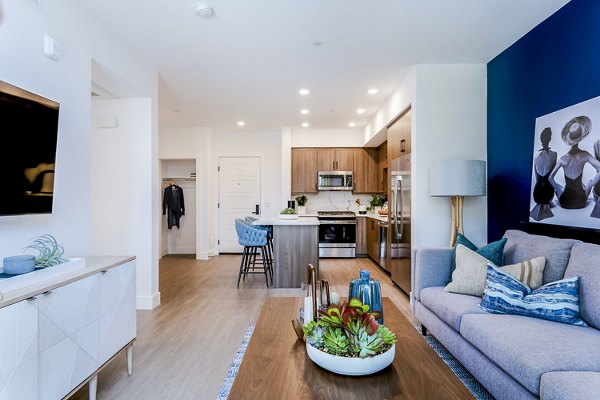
(179, 179)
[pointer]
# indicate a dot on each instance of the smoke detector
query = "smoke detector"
(204, 10)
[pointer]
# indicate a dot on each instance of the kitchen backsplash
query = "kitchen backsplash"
(335, 201)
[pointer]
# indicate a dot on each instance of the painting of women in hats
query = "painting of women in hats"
(575, 176)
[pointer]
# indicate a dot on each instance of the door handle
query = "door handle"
(256, 210)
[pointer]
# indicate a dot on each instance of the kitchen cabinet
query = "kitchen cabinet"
(398, 137)
(365, 171)
(373, 239)
(335, 159)
(361, 236)
(304, 170)
(382, 168)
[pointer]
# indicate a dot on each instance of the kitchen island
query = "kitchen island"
(295, 245)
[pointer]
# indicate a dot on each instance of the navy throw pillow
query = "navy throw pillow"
(555, 301)
(493, 251)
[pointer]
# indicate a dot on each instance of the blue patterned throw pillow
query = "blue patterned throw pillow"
(493, 251)
(555, 301)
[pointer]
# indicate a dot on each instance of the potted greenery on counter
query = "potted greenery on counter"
(376, 202)
(301, 201)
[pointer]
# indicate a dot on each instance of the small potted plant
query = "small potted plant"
(376, 202)
(301, 201)
(348, 340)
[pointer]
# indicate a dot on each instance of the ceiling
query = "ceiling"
(250, 59)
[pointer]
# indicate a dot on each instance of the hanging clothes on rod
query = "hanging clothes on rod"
(174, 204)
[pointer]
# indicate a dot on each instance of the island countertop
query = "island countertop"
(287, 222)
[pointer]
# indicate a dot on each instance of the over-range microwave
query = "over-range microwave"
(335, 180)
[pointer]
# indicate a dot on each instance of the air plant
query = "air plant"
(349, 330)
(50, 253)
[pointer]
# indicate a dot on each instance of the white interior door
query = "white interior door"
(239, 193)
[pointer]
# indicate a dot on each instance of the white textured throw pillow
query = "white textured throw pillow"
(471, 271)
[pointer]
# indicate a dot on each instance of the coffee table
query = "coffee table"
(276, 366)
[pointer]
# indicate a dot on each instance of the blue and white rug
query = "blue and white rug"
(235, 365)
(461, 373)
(476, 388)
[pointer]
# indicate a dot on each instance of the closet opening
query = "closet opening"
(178, 206)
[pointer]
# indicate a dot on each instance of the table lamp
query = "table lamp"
(457, 179)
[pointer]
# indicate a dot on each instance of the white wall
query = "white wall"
(302, 137)
(448, 122)
(67, 81)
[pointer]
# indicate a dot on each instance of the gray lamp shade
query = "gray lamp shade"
(457, 178)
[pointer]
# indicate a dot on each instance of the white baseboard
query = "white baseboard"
(148, 302)
(182, 250)
(164, 251)
(203, 255)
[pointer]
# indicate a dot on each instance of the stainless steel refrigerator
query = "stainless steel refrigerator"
(399, 217)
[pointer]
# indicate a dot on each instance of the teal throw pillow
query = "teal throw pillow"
(493, 251)
(555, 301)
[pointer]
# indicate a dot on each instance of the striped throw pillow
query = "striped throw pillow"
(555, 301)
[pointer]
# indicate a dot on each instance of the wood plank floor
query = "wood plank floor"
(185, 346)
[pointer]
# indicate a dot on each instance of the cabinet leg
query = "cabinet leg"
(92, 387)
(129, 359)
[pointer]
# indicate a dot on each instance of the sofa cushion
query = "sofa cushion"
(450, 307)
(470, 273)
(522, 246)
(492, 251)
(585, 262)
(555, 301)
(526, 348)
(570, 385)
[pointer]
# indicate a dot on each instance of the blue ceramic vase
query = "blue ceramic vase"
(368, 291)
(17, 265)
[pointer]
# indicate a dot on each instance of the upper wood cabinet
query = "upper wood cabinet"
(336, 159)
(365, 171)
(304, 170)
(382, 168)
(398, 137)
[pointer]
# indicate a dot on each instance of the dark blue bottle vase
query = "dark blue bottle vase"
(368, 291)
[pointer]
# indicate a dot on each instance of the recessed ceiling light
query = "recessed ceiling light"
(241, 123)
(360, 110)
(304, 111)
(317, 43)
(304, 92)
(373, 91)
(305, 124)
(352, 124)
(204, 10)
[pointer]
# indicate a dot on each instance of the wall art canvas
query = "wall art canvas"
(565, 178)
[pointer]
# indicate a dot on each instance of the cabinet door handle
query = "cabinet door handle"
(103, 272)
(403, 145)
(47, 292)
(32, 298)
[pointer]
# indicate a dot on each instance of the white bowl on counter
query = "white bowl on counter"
(288, 216)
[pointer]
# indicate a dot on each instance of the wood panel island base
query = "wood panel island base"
(276, 366)
(295, 245)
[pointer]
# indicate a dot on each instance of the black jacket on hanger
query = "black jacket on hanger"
(173, 201)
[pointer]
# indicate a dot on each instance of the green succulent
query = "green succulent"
(365, 345)
(332, 316)
(387, 336)
(335, 341)
(50, 253)
(314, 334)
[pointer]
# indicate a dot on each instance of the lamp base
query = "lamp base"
(456, 224)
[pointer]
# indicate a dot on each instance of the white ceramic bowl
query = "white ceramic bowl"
(288, 216)
(351, 366)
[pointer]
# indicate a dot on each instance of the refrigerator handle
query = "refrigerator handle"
(398, 215)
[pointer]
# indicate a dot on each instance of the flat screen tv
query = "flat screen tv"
(29, 126)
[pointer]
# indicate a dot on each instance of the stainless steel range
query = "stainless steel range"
(337, 234)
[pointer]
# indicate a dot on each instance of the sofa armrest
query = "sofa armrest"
(431, 267)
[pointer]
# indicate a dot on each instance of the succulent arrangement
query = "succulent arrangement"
(349, 330)
(50, 253)
(287, 211)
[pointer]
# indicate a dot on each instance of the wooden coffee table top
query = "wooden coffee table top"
(276, 366)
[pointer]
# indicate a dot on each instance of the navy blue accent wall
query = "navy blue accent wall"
(555, 65)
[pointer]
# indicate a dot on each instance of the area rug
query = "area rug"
(461, 373)
(235, 365)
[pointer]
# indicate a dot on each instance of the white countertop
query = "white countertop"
(18, 288)
(378, 217)
(302, 220)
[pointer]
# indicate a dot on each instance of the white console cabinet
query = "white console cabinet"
(56, 340)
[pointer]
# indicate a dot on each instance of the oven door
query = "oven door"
(337, 239)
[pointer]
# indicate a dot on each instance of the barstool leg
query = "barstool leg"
(265, 263)
(242, 266)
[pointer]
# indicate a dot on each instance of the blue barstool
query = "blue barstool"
(253, 238)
